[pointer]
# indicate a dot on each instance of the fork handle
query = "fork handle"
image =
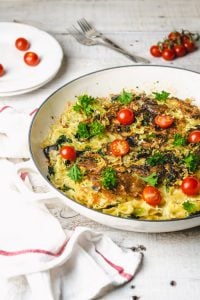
(110, 44)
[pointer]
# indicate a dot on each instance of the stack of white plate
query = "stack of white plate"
(19, 78)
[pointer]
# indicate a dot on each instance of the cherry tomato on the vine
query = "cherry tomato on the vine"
(190, 186)
(68, 152)
(155, 51)
(189, 45)
(22, 44)
(151, 195)
(179, 50)
(174, 36)
(163, 121)
(2, 70)
(119, 147)
(168, 54)
(194, 136)
(31, 58)
(125, 116)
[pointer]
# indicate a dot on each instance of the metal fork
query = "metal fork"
(91, 32)
(82, 39)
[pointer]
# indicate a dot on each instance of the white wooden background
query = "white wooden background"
(135, 24)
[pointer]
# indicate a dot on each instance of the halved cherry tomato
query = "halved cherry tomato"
(189, 45)
(68, 152)
(125, 116)
(119, 147)
(179, 50)
(22, 44)
(31, 58)
(194, 136)
(190, 186)
(164, 121)
(174, 36)
(168, 54)
(151, 195)
(2, 70)
(155, 51)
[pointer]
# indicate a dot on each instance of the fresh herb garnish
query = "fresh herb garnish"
(86, 131)
(125, 97)
(83, 131)
(96, 128)
(189, 206)
(51, 170)
(75, 173)
(109, 178)
(152, 179)
(63, 139)
(179, 140)
(162, 97)
(192, 162)
(156, 159)
(84, 104)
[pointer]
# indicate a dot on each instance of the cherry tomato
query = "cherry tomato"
(151, 195)
(68, 152)
(125, 116)
(174, 36)
(190, 186)
(22, 44)
(31, 59)
(194, 136)
(155, 51)
(163, 121)
(189, 45)
(168, 54)
(2, 70)
(119, 147)
(179, 50)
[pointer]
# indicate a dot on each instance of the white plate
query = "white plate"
(19, 77)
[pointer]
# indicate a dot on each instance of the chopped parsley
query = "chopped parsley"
(179, 140)
(162, 97)
(109, 178)
(51, 170)
(86, 131)
(156, 159)
(84, 104)
(189, 206)
(192, 162)
(63, 139)
(75, 173)
(125, 97)
(152, 179)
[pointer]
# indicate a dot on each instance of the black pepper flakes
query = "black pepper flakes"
(135, 298)
(173, 283)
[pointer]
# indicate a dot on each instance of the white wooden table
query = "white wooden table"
(136, 25)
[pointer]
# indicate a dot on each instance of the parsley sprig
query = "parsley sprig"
(162, 96)
(84, 104)
(152, 179)
(109, 178)
(125, 97)
(86, 131)
(192, 162)
(75, 173)
(189, 206)
(179, 140)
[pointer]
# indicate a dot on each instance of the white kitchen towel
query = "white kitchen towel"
(14, 128)
(38, 260)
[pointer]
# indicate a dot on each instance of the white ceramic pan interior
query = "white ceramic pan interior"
(179, 82)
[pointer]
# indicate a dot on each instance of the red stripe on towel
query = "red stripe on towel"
(119, 269)
(23, 175)
(40, 251)
(4, 107)
(33, 112)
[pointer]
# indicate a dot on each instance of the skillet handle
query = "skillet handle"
(28, 166)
